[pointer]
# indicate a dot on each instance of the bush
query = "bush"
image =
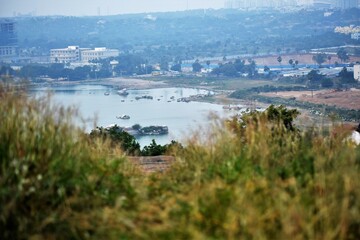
(254, 177)
(52, 179)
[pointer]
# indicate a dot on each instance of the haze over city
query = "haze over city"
(106, 7)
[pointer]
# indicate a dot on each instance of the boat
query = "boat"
(123, 92)
(125, 117)
(106, 93)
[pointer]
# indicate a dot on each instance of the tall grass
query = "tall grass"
(52, 177)
(248, 179)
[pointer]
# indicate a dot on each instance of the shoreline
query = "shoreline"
(130, 83)
(220, 97)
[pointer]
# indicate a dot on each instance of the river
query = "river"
(180, 117)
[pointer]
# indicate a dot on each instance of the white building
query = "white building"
(65, 55)
(98, 53)
(357, 72)
(355, 36)
(73, 54)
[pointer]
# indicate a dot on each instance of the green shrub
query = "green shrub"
(256, 177)
(50, 174)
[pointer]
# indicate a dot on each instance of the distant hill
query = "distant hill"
(189, 34)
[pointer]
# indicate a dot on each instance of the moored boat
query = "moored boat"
(123, 117)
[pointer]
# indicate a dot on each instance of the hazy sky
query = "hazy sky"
(91, 7)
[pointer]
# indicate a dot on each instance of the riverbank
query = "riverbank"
(118, 82)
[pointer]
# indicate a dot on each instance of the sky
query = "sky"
(106, 7)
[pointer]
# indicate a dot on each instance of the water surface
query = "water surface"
(163, 109)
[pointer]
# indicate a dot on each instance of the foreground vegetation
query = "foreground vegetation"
(257, 177)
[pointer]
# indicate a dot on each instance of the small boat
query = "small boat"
(123, 92)
(125, 117)
(106, 93)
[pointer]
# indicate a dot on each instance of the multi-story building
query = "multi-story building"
(65, 55)
(8, 40)
(98, 53)
(73, 54)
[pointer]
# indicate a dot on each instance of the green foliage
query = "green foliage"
(343, 55)
(231, 69)
(253, 94)
(155, 149)
(52, 179)
(247, 178)
(176, 67)
(196, 66)
(319, 58)
(346, 77)
(118, 137)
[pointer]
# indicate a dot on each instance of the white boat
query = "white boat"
(106, 93)
(123, 92)
(123, 117)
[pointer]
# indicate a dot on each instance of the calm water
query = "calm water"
(180, 117)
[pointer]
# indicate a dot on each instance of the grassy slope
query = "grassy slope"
(231, 182)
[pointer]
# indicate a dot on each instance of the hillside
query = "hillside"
(190, 34)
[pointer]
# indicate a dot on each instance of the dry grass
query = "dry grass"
(344, 99)
(252, 179)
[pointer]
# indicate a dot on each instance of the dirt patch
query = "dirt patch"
(343, 99)
(153, 164)
(302, 58)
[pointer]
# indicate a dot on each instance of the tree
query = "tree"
(327, 83)
(291, 62)
(208, 63)
(154, 149)
(136, 126)
(118, 137)
(196, 66)
(239, 65)
(319, 58)
(329, 59)
(282, 115)
(296, 63)
(176, 67)
(164, 65)
(342, 55)
(279, 59)
(346, 77)
(278, 115)
(229, 70)
(314, 78)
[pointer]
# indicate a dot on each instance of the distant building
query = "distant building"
(357, 72)
(73, 54)
(8, 40)
(65, 55)
(98, 53)
(355, 36)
